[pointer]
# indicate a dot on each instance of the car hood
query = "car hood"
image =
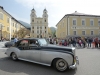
(58, 48)
(9, 43)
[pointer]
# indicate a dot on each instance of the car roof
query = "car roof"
(31, 38)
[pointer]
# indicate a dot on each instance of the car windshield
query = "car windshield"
(42, 42)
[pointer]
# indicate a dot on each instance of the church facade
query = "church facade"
(39, 25)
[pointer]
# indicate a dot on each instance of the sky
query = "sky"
(57, 9)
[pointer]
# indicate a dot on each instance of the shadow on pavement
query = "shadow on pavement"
(10, 66)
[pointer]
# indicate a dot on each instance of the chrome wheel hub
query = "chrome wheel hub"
(61, 64)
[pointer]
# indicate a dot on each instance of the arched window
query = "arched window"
(45, 20)
(41, 36)
(33, 31)
(32, 15)
(32, 20)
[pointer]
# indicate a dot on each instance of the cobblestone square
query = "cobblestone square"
(89, 64)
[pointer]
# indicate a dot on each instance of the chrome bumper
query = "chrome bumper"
(75, 64)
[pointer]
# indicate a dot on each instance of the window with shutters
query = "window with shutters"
(83, 32)
(1, 16)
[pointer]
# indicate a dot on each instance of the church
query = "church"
(39, 25)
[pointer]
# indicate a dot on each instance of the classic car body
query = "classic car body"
(39, 51)
(9, 43)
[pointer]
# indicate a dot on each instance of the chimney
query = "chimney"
(1, 7)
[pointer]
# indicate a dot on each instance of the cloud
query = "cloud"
(58, 8)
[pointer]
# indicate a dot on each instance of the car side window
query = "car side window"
(23, 43)
(33, 43)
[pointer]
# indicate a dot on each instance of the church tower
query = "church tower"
(45, 16)
(33, 15)
(39, 25)
(45, 21)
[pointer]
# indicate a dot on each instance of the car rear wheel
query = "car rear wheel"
(14, 56)
(60, 65)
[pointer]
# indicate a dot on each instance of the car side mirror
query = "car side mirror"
(37, 43)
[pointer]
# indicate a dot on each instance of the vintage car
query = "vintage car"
(38, 50)
(9, 43)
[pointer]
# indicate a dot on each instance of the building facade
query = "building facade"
(8, 25)
(15, 26)
(78, 24)
(39, 25)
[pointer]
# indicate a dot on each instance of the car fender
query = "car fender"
(48, 56)
(11, 50)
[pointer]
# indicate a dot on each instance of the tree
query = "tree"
(54, 34)
(53, 31)
(23, 32)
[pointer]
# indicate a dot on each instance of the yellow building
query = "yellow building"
(39, 25)
(49, 32)
(8, 25)
(78, 24)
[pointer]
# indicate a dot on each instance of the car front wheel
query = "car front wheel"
(60, 65)
(14, 56)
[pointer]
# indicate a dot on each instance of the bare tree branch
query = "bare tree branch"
(23, 32)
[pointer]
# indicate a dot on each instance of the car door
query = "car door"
(24, 49)
(34, 51)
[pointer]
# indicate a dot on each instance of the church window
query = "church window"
(37, 27)
(32, 20)
(32, 15)
(45, 20)
(40, 31)
(37, 31)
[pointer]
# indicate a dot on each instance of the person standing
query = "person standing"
(96, 42)
(15, 40)
(93, 42)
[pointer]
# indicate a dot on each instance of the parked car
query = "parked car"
(9, 43)
(39, 51)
